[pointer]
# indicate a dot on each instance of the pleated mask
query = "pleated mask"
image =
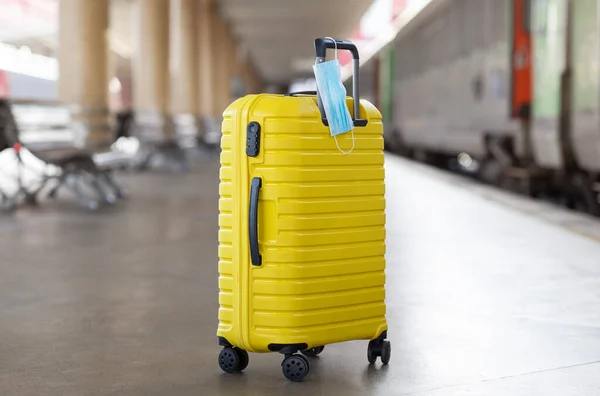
(328, 77)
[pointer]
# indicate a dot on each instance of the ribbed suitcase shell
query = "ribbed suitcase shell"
(321, 222)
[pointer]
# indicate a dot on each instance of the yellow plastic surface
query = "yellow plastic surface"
(321, 220)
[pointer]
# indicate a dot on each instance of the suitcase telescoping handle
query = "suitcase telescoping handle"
(253, 221)
(321, 45)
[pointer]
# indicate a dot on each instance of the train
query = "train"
(507, 91)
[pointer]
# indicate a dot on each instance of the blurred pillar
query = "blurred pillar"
(183, 69)
(212, 71)
(83, 67)
(207, 54)
(222, 66)
(151, 70)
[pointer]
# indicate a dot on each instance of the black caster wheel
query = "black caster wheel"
(313, 352)
(229, 360)
(386, 352)
(295, 367)
(244, 359)
(379, 348)
(373, 351)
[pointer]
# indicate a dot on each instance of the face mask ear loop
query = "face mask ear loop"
(342, 151)
(334, 44)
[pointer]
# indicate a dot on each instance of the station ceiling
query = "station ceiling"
(279, 34)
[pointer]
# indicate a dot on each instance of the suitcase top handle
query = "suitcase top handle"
(321, 45)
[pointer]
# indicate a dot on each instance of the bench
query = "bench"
(161, 141)
(43, 139)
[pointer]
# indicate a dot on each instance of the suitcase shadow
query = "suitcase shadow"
(374, 373)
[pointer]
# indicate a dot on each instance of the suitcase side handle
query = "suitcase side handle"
(253, 221)
(321, 45)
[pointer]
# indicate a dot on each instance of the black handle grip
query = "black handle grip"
(321, 45)
(253, 221)
(300, 93)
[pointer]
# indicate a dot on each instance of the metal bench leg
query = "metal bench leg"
(75, 186)
(107, 178)
(31, 197)
(106, 192)
(7, 204)
(60, 182)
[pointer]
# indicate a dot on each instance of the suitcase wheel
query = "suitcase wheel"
(233, 359)
(379, 348)
(313, 352)
(295, 367)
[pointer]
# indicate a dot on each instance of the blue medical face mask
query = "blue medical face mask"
(333, 97)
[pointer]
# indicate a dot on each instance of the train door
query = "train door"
(585, 95)
(521, 73)
(385, 95)
(549, 28)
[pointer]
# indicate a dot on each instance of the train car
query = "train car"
(511, 84)
(585, 95)
(565, 123)
(453, 79)
(374, 82)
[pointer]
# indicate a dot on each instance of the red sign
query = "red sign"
(345, 57)
(356, 34)
(3, 84)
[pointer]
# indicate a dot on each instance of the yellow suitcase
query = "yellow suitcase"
(301, 230)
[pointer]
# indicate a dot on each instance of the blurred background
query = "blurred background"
(138, 84)
(501, 90)
(110, 119)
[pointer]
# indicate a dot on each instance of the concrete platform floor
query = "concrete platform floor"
(484, 299)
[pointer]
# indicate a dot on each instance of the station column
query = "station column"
(151, 70)
(214, 63)
(183, 69)
(234, 69)
(207, 65)
(83, 68)
(222, 65)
